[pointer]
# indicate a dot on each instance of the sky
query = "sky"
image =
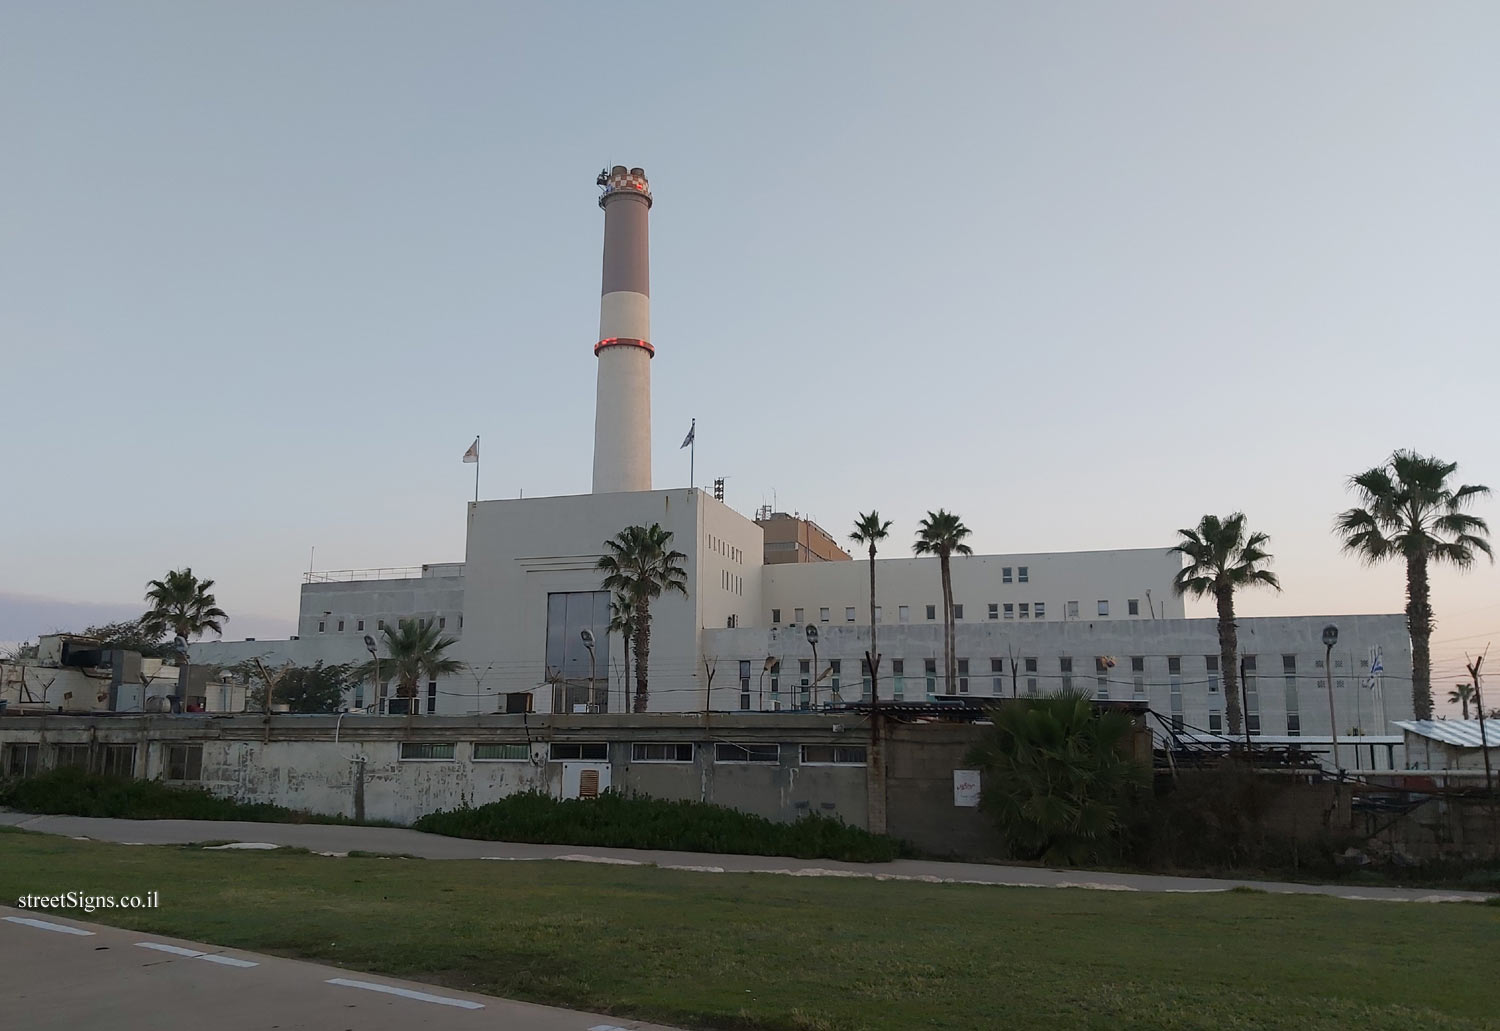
(1080, 272)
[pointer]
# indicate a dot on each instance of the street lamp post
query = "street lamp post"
(812, 639)
(379, 686)
(588, 642)
(1331, 638)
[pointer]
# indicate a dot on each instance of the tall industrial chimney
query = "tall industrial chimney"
(622, 409)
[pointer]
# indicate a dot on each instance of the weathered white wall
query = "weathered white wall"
(437, 596)
(1054, 579)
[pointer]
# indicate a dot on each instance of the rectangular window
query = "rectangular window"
(775, 615)
(1065, 667)
(423, 750)
(432, 696)
(1252, 695)
(184, 762)
(1005, 574)
(1030, 664)
(1174, 689)
(579, 751)
(997, 682)
(958, 612)
(929, 670)
(1010, 610)
(797, 615)
(849, 614)
(1289, 664)
(835, 666)
(75, 757)
(823, 615)
(422, 623)
(1102, 663)
(877, 613)
(359, 624)
(502, 751)
(23, 760)
(568, 663)
(322, 626)
(744, 684)
(931, 612)
(117, 760)
(341, 626)
(725, 752)
(1133, 607)
(994, 611)
(1072, 610)
(864, 679)
(963, 676)
(1103, 607)
(1025, 610)
(442, 622)
(903, 613)
(1138, 676)
(1211, 664)
(652, 752)
(380, 624)
(1040, 608)
(1216, 722)
(1023, 575)
(829, 755)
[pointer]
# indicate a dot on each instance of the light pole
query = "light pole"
(812, 639)
(1331, 638)
(588, 642)
(379, 687)
(770, 661)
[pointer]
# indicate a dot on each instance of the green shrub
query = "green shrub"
(74, 792)
(617, 821)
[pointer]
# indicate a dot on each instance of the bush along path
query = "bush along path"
(618, 821)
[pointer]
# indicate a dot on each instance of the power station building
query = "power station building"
(527, 590)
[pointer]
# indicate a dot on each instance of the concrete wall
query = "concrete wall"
(437, 596)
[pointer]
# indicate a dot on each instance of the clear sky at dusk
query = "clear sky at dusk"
(1079, 272)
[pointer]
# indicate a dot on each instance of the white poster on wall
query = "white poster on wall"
(966, 788)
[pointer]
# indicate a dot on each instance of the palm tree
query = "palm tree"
(870, 530)
(1221, 559)
(1462, 695)
(639, 563)
(942, 534)
(414, 652)
(1411, 512)
(622, 622)
(181, 604)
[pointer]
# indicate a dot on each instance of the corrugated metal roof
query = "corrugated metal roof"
(1462, 733)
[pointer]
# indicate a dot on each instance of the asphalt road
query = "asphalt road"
(339, 839)
(61, 973)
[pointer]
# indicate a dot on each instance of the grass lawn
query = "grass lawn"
(764, 951)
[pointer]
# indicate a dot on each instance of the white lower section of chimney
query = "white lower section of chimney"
(625, 314)
(622, 421)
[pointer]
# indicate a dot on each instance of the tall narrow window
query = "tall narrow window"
(864, 679)
(744, 683)
(997, 682)
(1174, 687)
(1252, 695)
(994, 611)
(1071, 612)
(359, 624)
(341, 626)
(958, 612)
(1103, 607)
(963, 676)
(849, 614)
(1211, 664)
(1101, 675)
(775, 615)
(898, 679)
(1025, 610)
(796, 615)
(931, 612)
(1138, 676)
(903, 613)
(1065, 667)
(1031, 678)
(1133, 607)
(1041, 609)
(1293, 706)
(1005, 574)
(1023, 575)
(929, 670)
(823, 615)
(1010, 610)
(834, 666)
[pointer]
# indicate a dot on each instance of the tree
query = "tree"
(1057, 778)
(1222, 559)
(639, 563)
(870, 530)
(414, 652)
(622, 622)
(307, 689)
(182, 605)
(1462, 694)
(129, 635)
(1412, 512)
(942, 534)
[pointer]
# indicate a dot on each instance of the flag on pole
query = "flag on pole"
(691, 434)
(472, 455)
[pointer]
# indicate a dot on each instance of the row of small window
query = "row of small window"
(731, 583)
(996, 610)
(359, 624)
(719, 546)
(641, 752)
(183, 762)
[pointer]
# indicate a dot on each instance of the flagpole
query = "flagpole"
(476, 469)
(692, 452)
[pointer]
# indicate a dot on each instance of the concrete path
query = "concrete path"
(62, 973)
(341, 839)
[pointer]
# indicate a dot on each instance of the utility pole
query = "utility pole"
(1484, 748)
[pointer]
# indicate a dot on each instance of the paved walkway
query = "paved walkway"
(63, 973)
(338, 840)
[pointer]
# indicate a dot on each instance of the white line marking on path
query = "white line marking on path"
(606, 1027)
(177, 950)
(406, 993)
(65, 929)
